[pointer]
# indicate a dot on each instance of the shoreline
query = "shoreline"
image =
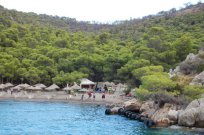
(168, 115)
(62, 97)
(58, 100)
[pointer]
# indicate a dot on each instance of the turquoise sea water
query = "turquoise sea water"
(57, 118)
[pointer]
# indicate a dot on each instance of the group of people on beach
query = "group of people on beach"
(94, 96)
(102, 89)
(90, 94)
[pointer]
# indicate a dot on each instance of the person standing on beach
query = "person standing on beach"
(94, 96)
(105, 88)
(82, 97)
(103, 96)
(89, 94)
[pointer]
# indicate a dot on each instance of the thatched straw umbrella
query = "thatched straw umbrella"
(24, 86)
(2, 86)
(120, 85)
(16, 88)
(83, 90)
(52, 87)
(67, 89)
(75, 86)
(9, 85)
(34, 88)
(112, 83)
(40, 85)
(108, 84)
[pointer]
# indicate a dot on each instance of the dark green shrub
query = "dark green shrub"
(192, 92)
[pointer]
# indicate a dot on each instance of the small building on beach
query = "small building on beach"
(87, 84)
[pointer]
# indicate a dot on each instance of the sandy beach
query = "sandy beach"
(63, 96)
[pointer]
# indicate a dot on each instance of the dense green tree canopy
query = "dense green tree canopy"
(40, 48)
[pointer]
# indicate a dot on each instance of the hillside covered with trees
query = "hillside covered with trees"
(41, 48)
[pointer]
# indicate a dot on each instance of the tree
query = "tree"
(147, 70)
(60, 49)
(62, 43)
(103, 38)
(192, 92)
(33, 75)
(183, 46)
(157, 81)
(21, 73)
(67, 78)
(125, 72)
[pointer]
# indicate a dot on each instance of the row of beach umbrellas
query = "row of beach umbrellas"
(38, 87)
(74, 87)
(29, 87)
(3, 86)
(50, 88)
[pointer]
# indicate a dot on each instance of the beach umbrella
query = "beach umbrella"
(83, 90)
(9, 85)
(75, 86)
(24, 86)
(17, 88)
(120, 85)
(107, 84)
(67, 88)
(37, 88)
(30, 88)
(2, 86)
(34, 88)
(40, 85)
(52, 87)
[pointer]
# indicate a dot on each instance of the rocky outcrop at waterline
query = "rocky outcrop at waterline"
(193, 115)
(132, 105)
(152, 115)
